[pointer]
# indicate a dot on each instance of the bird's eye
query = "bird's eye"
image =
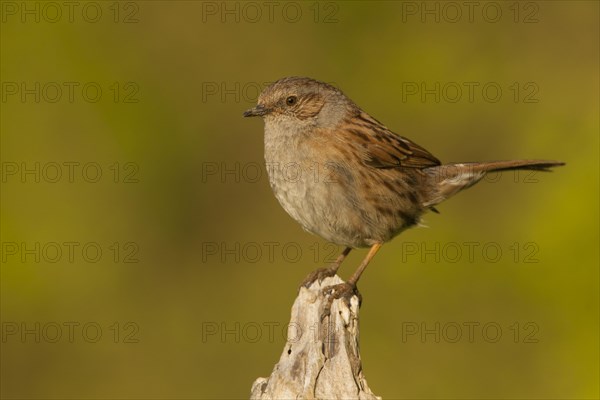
(290, 101)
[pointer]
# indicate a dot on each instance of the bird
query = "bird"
(355, 183)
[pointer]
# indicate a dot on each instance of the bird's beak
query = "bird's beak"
(257, 111)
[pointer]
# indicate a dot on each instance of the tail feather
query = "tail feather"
(449, 179)
(539, 165)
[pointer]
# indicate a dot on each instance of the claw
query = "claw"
(344, 291)
(318, 275)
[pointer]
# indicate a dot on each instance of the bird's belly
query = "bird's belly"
(331, 199)
(333, 206)
(297, 188)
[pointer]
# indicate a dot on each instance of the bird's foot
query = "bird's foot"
(344, 291)
(318, 275)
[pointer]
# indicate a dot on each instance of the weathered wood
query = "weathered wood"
(321, 359)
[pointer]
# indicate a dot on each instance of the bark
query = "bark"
(321, 358)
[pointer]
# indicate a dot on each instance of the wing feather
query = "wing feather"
(383, 148)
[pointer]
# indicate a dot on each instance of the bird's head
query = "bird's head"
(301, 102)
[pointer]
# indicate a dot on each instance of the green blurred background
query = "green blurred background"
(200, 265)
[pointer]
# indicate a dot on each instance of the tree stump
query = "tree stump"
(321, 358)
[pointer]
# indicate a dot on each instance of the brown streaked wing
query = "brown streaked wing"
(384, 148)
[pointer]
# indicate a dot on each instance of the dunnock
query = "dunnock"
(353, 182)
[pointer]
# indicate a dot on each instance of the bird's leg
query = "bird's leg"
(326, 272)
(348, 289)
(356, 276)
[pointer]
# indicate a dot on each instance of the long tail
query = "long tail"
(448, 179)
